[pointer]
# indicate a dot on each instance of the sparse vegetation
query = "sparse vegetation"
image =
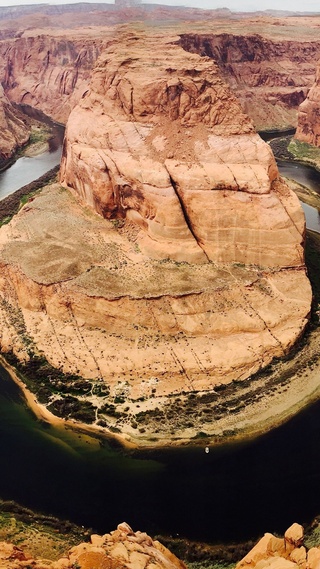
(43, 536)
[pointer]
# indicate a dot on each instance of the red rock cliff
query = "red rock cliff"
(160, 140)
(269, 75)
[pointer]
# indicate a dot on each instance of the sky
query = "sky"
(236, 5)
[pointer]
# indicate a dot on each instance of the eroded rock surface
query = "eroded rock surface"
(308, 129)
(164, 143)
(268, 64)
(120, 549)
(262, 68)
(193, 274)
(49, 71)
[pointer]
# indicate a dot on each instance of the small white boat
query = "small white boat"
(206, 450)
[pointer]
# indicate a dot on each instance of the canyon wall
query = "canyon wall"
(13, 131)
(269, 75)
(308, 129)
(47, 72)
(48, 64)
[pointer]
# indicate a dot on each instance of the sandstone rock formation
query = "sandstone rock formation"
(308, 129)
(164, 143)
(47, 56)
(195, 276)
(277, 553)
(47, 72)
(120, 549)
(262, 69)
(13, 131)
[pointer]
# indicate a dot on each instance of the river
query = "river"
(233, 493)
(26, 169)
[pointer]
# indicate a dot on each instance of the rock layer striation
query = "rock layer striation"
(191, 276)
(13, 131)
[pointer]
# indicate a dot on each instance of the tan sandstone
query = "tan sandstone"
(13, 131)
(308, 129)
(162, 142)
(193, 274)
(120, 549)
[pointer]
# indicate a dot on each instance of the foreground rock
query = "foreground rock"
(162, 142)
(277, 553)
(121, 549)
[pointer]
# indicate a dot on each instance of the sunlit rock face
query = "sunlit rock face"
(288, 552)
(120, 549)
(175, 263)
(160, 140)
(49, 71)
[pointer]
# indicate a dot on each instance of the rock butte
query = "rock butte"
(196, 277)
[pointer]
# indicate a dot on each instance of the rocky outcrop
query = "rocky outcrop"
(120, 549)
(277, 553)
(13, 132)
(163, 143)
(308, 129)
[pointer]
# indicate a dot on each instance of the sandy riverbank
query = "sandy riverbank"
(42, 413)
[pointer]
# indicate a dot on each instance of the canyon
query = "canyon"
(47, 64)
(192, 276)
